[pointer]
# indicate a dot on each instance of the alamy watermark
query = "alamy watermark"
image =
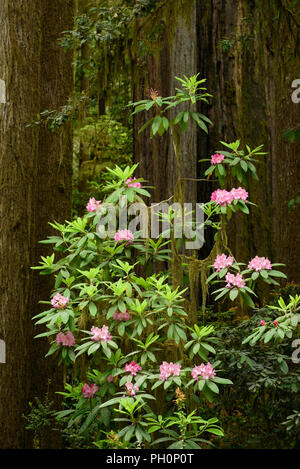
(160, 219)
(296, 93)
(2, 92)
(296, 353)
(2, 351)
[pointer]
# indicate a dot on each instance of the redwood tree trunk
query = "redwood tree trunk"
(250, 78)
(175, 56)
(35, 184)
(248, 51)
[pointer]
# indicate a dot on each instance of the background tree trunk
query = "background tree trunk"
(250, 77)
(176, 55)
(54, 191)
(247, 50)
(35, 187)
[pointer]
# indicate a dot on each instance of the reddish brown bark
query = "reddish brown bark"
(250, 80)
(35, 174)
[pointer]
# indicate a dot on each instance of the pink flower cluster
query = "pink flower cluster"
(119, 316)
(100, 334)
(263, 323)
(130, 183)
(206, 372)
(239, 194)
(222, 261)
(89, 391)
(133, 368)
(67, 339)
(216, 158)
(168, 369)
(223, 197)
(131, 388)
(59, 301)
(124, 235)
(93, 204)
(260, 263)
(234, 280)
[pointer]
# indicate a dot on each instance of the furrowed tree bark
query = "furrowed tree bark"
(250, 77)
(248, 51)
(54, 189)
(176, 56)
(34, 188)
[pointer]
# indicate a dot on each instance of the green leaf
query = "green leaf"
(54, 347)
(149, 105)
(199, 121)
(235, 161)
(222, 380)
(178, 117)
(201, 384)
(92, 309)
(276, 273)
(93, 348)
(156, 124)
(89, 419)
(211, 277)
(186, 116)
(264, 273)
(255, 275)
(247, 299)
(115, 400)
(233, 294)
(212, 386)
(223, 293)
(284, 367)
(165, 123)
(145, 126)
(269, 335)
(221, 169)
(215, 431)
(244, 165)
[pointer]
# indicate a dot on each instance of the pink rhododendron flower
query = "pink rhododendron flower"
(130, 183)
(110, 379)
(59, 301)
(67, 339)
(119, 316)
(93, 204)
(260, 263)
(124, 235)
(216, 158)
(263, 323)
(133, 368)
(89, 391)
(223, 197)
(206, 372)
(239, 194)
(275, 323)
(100, 334)
(169, 369)
(222, 261)
(234, 280)
(131, 388)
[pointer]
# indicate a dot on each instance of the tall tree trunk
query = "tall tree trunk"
(248, 52)
(54, 191)
(175, 56)
(35, 173)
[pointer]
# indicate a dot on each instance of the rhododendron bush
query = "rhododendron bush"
(128, 328)
(138, 367)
